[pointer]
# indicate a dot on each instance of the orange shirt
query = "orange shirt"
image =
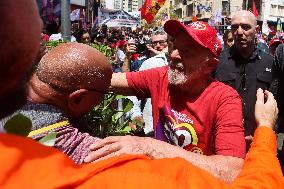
(27, 164)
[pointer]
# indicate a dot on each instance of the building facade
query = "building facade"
(272, 9)
(117, 4)
(204, 9)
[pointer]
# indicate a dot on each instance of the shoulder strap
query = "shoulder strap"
(48, 128)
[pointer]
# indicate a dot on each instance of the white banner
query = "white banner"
(75, 15)
(118, 18)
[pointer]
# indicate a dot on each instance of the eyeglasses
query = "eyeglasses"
(162, 42)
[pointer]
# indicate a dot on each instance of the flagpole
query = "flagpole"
(87, 10)
(65, 20)
(168, 9)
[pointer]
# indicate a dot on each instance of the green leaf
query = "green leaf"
(48, 140)
(127, 105)
(119, 97)
(138, 123)
(18, 125)
(127, 129)
(118, 115)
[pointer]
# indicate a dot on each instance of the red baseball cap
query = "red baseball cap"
(201, 32)
(121, 43)
(275, 41)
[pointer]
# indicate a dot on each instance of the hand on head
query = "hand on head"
(266, 110)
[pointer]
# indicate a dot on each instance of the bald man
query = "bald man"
(245, 67)
(69, 80)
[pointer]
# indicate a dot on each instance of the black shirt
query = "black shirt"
(279, 67)
(246, 76)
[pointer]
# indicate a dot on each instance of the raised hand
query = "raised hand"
(266, 110)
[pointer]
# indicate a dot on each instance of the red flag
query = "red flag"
(254, 9)
(150, 9)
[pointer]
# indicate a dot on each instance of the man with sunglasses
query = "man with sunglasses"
(245, 67)
(68, 82)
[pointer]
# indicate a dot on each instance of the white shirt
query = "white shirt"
(58, 36)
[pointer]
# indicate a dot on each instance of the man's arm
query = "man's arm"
(129, 50)
(119, 84)
(223, 167)
(133, 83)
(261, 168)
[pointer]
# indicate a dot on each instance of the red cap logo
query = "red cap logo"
(198, 26)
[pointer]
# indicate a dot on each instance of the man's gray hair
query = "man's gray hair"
(159, 32)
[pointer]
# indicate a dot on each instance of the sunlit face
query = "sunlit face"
(230, 40)
(243, 29)
(187, 60)
(86, 38)
(159, 42)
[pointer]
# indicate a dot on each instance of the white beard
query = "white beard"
(177, 77)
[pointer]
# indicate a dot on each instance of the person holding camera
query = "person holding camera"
(146, 50)
(156, 51)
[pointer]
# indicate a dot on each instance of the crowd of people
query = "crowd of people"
(210, 110)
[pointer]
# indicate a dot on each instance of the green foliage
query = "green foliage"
(51, 44)
(107, 120)
(106, 50)
(18, 125)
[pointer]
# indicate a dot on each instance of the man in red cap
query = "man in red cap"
(273, 44)
(194, 117)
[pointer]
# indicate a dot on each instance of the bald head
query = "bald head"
(244, 28)
(73, 66)
(245, 15)
(20, 28)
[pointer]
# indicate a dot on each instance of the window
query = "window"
(189, 10)
(281, 11)
(273, 10)
(225, 6)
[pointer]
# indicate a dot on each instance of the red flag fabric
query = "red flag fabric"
(150, 9)
(254, 9)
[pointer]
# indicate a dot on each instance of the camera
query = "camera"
(142, 47)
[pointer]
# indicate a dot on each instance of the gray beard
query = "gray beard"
(176, 77)
(179, 78)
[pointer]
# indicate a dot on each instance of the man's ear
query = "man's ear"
(212, 63)
(75, 99)
(256, 28)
